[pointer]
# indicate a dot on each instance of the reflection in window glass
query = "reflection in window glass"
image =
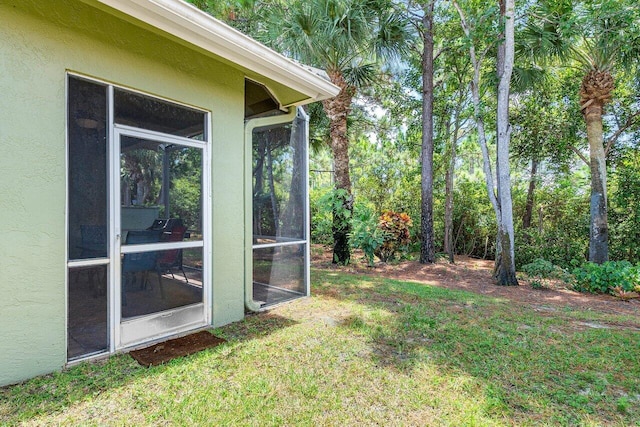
(160, 181)
(87, 305)
(141, 111)
(278, 273)
(87, 135)
(279, 183)
(160, 280)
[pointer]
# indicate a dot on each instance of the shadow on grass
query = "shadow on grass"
(527, 365)
(50, 394)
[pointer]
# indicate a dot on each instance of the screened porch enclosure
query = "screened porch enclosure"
(135, 217)
(280, 236)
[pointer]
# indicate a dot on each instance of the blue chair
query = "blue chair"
(141, 262)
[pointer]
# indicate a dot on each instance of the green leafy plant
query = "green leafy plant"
(537, 283)
(327, 213)
(321, 215)
(609, 277)
(540, 267)
(541, 271)
(365, 233)
(395, 228)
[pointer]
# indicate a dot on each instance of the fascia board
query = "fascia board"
(194, 26)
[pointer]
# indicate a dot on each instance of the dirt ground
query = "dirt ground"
(475, 275)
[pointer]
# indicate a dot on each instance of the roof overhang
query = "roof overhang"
(186, 22)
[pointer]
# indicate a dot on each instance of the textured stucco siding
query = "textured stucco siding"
(41, 41)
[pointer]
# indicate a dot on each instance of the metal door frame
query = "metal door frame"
(127, 333)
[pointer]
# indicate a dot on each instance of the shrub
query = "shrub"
(551, 246)
(606, 277)
(394, 227)
(324, 203)
(540, 267)
(365, 233)
(321, 215)
(541, 270)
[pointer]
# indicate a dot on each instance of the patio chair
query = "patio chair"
(141, 262)
(172, 259)
(165, 225)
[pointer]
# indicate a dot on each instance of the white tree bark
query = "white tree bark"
(477, 112)
(505, 271)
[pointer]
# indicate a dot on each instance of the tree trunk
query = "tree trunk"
(528, 211)
(448, 205)
(337, 110)
(504, 271)
(449, 246)
(427, 249)
(272, 192)
(598, 230)
(292, 217)
(505, 267)
(258, 174)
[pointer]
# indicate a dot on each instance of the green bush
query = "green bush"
(365, 233)
(321, 203)
(604, 278)
(624, 211)
(540, 267)
(545, 269)
(550, 245)
(541, 270)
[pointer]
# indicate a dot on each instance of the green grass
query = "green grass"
(365, 351)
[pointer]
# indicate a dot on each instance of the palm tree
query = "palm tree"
(348, 39)
(599, 38)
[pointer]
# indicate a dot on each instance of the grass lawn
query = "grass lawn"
(366, 351)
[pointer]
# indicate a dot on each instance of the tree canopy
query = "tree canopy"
(573, 121)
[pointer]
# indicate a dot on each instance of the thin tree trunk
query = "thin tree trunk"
(455, 242)
(486, 247)
(258, 173)
(505, 267)
(427, 249)
(599, 230)
(540, 220)
(449, 247)
(272, 188)
(478, 116)
(448, 205)
(337, 110)
(528, 210)
(294, 210)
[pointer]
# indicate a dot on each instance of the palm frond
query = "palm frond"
(595, 56)
(360, 75)
(525, 78)
(393, 33)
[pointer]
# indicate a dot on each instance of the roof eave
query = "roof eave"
(196, 27)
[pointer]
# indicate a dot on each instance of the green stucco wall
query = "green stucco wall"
(41, 41)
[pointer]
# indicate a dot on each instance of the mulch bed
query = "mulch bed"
(475, 275)
(163, 352)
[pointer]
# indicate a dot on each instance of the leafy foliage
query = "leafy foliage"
(321, 218)
(366, 234)
(541, 270)
(540, 267)
(555, 39)
(625, 209)
(607, 277)
(395, 230)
